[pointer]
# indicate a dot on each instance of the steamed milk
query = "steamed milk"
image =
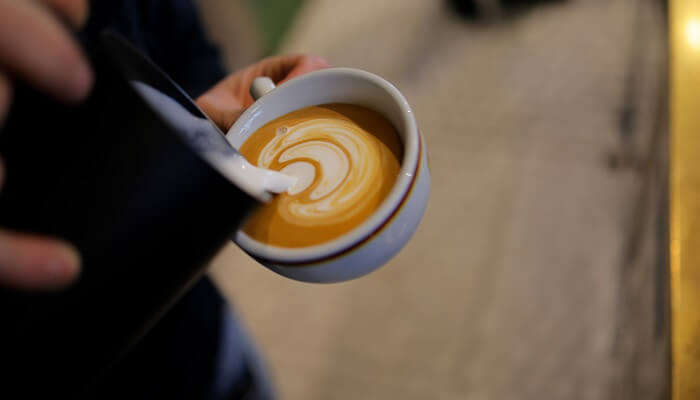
(345, 158)
(201, 134)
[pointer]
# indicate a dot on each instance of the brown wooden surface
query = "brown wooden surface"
(685, 197)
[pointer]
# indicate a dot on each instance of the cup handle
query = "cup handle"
(261, 86)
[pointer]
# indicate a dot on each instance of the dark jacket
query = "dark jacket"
(168, 31)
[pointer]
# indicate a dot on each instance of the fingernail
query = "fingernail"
(81, 80)
(64, 268)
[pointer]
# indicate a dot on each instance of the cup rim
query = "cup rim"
(382, 215)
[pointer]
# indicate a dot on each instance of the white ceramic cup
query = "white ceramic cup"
(375, 241)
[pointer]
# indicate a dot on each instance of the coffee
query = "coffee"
(346, 158)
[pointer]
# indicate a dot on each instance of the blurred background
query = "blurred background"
(540, 267)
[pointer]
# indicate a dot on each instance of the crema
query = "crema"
(345, 158)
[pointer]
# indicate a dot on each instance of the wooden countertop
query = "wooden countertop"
(685, 197)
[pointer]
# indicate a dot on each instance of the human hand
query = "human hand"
(35, 262)
(36, 47)
(226, 101)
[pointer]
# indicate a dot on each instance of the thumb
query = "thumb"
(221, 106)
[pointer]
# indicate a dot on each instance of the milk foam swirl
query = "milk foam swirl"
(337, 165)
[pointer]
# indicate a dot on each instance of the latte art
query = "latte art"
(345, 159)
(336, 164)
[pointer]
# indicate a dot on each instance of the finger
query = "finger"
(33, 262)
(221, 106)
(44, 53)
(5, 96)
(74, 11)
(279, 68)
(225, 102)
(305, 65)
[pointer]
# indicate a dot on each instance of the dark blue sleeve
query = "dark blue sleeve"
(170, 32)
